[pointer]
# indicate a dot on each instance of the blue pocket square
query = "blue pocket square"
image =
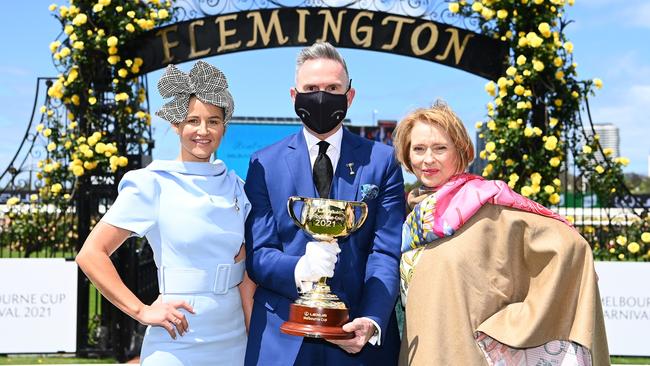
(369, 192)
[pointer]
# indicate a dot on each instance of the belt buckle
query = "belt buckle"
(222, 279)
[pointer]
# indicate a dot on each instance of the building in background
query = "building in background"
(608, 135)
(477, 166)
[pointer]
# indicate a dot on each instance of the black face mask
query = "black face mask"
(321, 111)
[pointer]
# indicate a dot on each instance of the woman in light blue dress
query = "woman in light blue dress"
(192, 212)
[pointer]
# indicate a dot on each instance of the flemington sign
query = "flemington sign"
(343, 27)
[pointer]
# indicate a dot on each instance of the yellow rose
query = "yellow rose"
(130, 28)
(621, 240)
(502, 13)
(511, 71)
(586, 149)
(111, 41)
(554, 199)
(645, 237)
(113, 59)
(490, 88)
(557, 182)
(47, 132)
(544, 29)
(555, 161)
(122, 161)
(80, 19)
(491, 125)
(526, 191)
(56, 188)
(551, 143)
(78, 45)
(12, 201)
(92, 100)
(598, 83)
(600, 169)
(97, 8)
(534, 40)
(33, 197)
(490, 146)
(519, 90)
(553, 121)
(52, 7)
(549, 189)
(536, 178)
(453, 7)
(509, 162)
(528, 132)
(477, 6)
(162, 13)
(621, 256)
(478, 124)
(568, 46)
(538, 65)
(521, 59)
(121, 97)
(633, 247)
(77, 170)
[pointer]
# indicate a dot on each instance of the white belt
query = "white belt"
(187, 280)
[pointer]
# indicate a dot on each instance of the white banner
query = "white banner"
(625, 294)
(38, 305)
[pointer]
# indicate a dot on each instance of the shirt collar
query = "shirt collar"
(335, 140)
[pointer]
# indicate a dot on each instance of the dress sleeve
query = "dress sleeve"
(136, 206)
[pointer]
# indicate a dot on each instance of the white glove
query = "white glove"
(318, 261)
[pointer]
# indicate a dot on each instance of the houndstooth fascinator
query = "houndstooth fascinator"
(204, 81)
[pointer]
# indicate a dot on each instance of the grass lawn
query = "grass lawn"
(50, 360)
(631, 360)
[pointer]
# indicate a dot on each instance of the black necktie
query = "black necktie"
(323, 170)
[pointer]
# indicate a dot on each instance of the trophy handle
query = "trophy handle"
(364, 214)
(290, 202)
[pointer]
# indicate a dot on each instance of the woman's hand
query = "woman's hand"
(166, 315)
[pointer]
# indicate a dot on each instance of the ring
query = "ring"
(176, 321)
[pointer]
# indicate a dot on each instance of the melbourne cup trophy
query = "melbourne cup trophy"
(319, 313)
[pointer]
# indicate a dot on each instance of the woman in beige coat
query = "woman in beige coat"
(489, 277)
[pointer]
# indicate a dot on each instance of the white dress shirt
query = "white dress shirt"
(333, 151)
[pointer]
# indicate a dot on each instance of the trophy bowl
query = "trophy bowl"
(319, 313)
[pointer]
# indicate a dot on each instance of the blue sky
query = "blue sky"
(609, 38)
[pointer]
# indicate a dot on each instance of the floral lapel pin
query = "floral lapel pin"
(369, 192)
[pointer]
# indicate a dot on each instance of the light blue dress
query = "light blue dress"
(193, 216)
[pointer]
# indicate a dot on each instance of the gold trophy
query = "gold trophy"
(319, 313)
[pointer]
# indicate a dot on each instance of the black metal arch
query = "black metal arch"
(346, 27)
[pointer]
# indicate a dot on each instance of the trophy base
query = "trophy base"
(316, 322)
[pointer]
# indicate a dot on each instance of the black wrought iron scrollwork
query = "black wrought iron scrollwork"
(435, 10)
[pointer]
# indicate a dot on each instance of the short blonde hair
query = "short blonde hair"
(440, 115)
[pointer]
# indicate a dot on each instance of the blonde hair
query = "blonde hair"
(439, 115)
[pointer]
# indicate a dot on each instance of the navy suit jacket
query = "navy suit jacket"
(366, 276)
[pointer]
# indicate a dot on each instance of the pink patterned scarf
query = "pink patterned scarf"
(446, 210)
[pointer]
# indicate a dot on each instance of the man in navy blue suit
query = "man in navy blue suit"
(324, 160)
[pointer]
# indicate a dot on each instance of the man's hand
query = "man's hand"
(319, 261)
(363, 330)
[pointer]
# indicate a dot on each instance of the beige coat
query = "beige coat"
(521, 278)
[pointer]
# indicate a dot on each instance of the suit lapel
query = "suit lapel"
(348, 170)
(297, 160)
